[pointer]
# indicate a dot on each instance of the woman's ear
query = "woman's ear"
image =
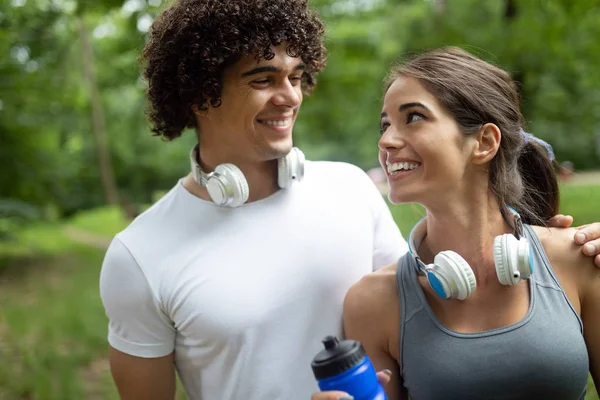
(488, 142)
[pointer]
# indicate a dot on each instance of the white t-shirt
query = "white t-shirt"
(244, 296)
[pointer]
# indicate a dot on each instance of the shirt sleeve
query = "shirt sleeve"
(137, 325)
(388, 243)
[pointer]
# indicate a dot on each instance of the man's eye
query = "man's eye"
(383, 127)
(261, 81)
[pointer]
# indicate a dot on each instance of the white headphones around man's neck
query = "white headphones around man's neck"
(451, 277)
(227, 185)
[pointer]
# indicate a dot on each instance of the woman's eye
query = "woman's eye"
(414, 116)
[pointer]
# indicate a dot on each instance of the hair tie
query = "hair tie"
(528, 137)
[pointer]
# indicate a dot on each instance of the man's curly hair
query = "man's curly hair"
(193, 41)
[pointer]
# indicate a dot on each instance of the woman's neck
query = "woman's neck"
(469, 229)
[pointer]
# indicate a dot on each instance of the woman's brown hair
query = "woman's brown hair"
(476, 92)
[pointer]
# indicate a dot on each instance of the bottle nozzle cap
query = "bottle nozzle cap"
(337, 356)
(330, 342)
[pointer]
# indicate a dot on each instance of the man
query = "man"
(229, 278)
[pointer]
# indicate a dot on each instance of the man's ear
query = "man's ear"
(488, 142)
(199, 111)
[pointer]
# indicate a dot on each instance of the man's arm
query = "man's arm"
(580, 280)
(140, 334)
(590, 314)
(143, 378)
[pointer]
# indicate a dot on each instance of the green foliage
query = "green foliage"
(105, 221)
(40, 238)
(56, 331)
(46, 133)
(548, 47)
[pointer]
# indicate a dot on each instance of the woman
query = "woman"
(489, 303)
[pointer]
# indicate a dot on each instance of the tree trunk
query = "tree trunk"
(510, 9)
(440, 6)
(107, 176)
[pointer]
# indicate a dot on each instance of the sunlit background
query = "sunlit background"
(78, 160)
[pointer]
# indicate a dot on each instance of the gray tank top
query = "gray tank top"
(543, 356)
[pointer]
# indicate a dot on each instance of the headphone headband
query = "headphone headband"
(200, 176)
(418, 232)
(451, 277)
(227, 185)
(416, 235)
(516, 223)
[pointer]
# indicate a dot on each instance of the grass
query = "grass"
(581, 202)
(52, 324)
(104, 221)
(35, 240)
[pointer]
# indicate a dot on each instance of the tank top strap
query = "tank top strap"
(542, 270)
(408, 287)
(544, 276)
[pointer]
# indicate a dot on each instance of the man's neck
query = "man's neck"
(261, 179)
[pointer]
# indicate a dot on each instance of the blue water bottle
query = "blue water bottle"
(345, 366)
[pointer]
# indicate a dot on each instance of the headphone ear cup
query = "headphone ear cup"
(290, 168)
(457, 274)
(230, 186)
(512, 259)
(217, 190)
(504, 272)
(525, 259)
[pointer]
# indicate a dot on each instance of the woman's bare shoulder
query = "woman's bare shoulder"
(566, 257)
(560, 247)
(372, 296)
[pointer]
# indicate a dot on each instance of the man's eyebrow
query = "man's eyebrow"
(258, 70)
(270, 68)
(410, 105)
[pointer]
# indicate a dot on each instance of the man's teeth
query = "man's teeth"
(403, 166)
(279, 122)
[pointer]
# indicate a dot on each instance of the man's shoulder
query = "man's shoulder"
(153, 216)
(335, 167)
(339, 173)
(154, 229)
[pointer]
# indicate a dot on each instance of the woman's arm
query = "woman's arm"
(371, 316)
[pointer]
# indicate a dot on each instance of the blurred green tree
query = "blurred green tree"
(74, 135)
